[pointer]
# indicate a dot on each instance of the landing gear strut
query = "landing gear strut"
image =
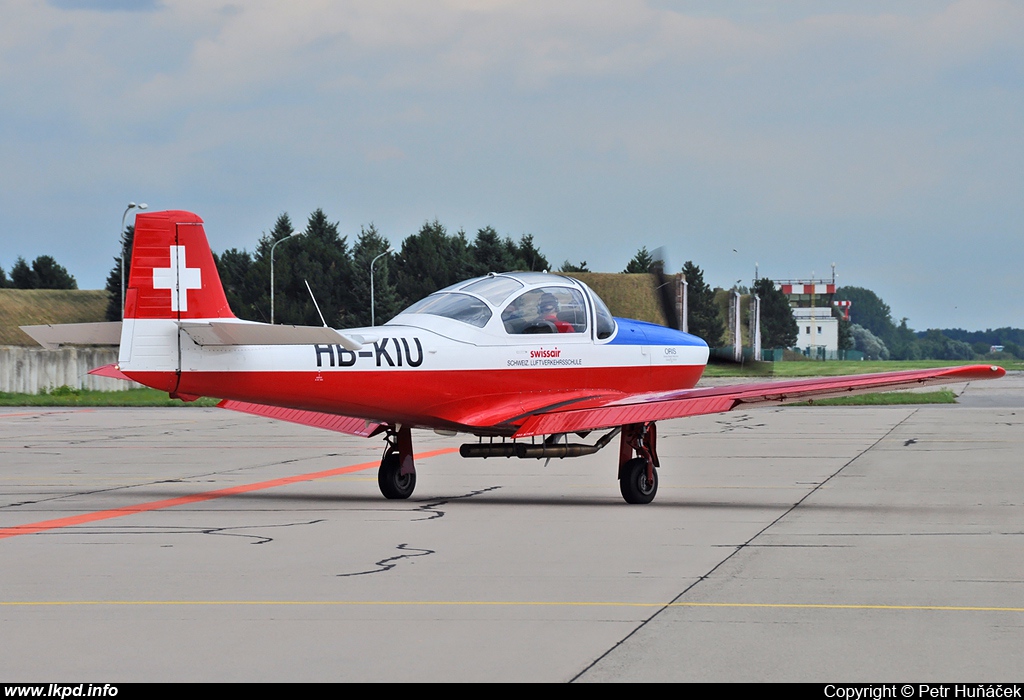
(638, 458)
(397, 474)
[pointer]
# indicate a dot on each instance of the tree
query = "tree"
(51, 275)
(869, 311)
(641, 262)
(236, 275)
(903, 344)
(430, 260)
(704, 320)
(868, 343)
(3, 279)
(386, 301)
(114, 278)
(530, 257)
(936, 346)
(778, 327)
(320, 256)
(22, 276)
(491, 254)
(569, 267)
(845, 336)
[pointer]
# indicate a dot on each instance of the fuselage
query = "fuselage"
(476, 357)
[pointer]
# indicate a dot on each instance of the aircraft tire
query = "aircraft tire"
(634, 485)
(393, 484)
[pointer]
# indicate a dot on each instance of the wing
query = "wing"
(692, 402)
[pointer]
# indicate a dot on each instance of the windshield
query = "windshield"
(494, 289)
(605, 326)
(459, 307)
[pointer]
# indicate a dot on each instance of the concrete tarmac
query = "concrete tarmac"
(822, 544)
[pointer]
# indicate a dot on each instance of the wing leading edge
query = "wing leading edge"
(692, 402)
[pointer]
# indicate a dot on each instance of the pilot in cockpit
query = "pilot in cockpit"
(547, 310)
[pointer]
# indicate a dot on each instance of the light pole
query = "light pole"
(373, 317)
(131, 205)
(282, 240)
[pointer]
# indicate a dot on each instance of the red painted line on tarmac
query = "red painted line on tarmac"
(32, 528)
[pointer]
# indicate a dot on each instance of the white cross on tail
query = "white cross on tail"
(178, 278)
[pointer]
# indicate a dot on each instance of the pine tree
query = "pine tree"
(641, 262)
(386, 302)
(52, 275)
(22, 276)
(704, 319)
(114, 278)
(530, 257)
(236, 275)
(431, 260)
(491, 254)
(778, 327)
(320, 257)
(569, 267)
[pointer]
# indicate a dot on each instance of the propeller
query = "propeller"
(665, 287)
(666, 290)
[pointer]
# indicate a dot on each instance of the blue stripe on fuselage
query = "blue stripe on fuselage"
(642, 333)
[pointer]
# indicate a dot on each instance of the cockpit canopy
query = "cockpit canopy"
(520, 303)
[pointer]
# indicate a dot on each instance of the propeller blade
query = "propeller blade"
(666, 290)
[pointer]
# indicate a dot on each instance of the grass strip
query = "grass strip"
(889, 398)
(66, 396)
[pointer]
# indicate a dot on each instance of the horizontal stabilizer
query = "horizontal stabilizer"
(111, 371)
(52, 336)
(234, 333)
(315, 419)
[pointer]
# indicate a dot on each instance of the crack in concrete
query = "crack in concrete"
(171, 530)
(443, 501)
(731, 424)
(391, 562)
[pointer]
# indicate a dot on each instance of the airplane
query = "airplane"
(520, 360)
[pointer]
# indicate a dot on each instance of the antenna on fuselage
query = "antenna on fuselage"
(315, 304)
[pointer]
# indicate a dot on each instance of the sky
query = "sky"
(887, 138)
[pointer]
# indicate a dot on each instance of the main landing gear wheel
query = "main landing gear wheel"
(634, 484)
(393, 484)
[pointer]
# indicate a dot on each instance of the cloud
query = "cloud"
(577, 120)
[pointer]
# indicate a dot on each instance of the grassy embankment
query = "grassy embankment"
(32, 307)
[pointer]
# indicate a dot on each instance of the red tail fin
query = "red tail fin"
(172, 272)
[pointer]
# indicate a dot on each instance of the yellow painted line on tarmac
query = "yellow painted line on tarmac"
(505, 603)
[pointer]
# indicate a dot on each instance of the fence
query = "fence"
(30, 370)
